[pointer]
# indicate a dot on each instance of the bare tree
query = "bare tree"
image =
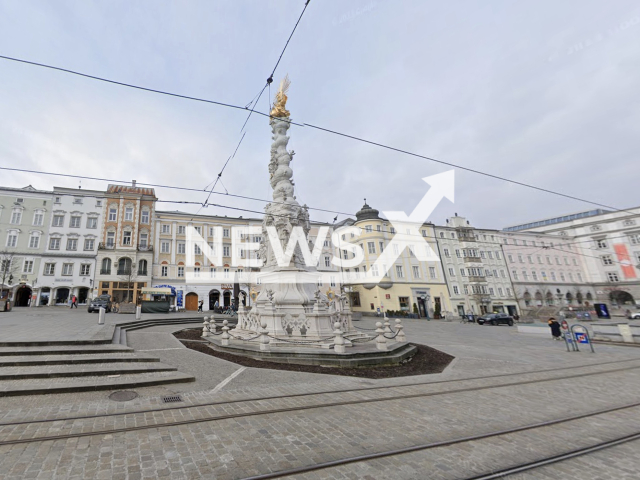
(8, 269)
(127, 271)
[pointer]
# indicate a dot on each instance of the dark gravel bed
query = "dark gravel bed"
(427, 360)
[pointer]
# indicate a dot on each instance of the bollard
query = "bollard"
(138, 312)
(205, 327)
(400, 337)
(338, 342)
(264, 337)
(387, 325)
(101, 312)
(225, 334)
(381, 341)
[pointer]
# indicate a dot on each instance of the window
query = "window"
(458, 253)
(144, 240)
(182, 229)
(466, 289)
(502, 274)
(54, 244)
(404, 303)
(58, 220)
(113, 214)
(553, 276)
(72, 244)
(570, 276)
(456, 290)
(28, 266)
(196, 271)
(514, 274)
(75, 221)
(558, 261)
(166, 228)
(212, 273)
(180, 272)
(106, 267)
(326, 243)
(67, 269)
(381, 245)
(164, 247)
(613, 277)
(111, 239)
(374, 270)
(607, 260)
(34, 241)
(510, 257)
(500, 292)
(226, 251)
(491, 291)
(182, 248)
(432, 272)
(490, 255)
(199, 230)
(85, 269)
(89, 243)
(57, 200)
(452, 272)
(441, 234)
(49, 268)
(38, 219)
(16, 217)
(575, 262)
(548, 260)
(539, 258)
(393, 230)
(144, 217)
(579, 276)
(92, 222)
(520, 259)
(534, 275)
(544, 275)
(372, 247)
(396, 250)
(525, 275)
(416, 271)
(482, 255)
(399, 272)
(225, 232)
(327, 261)
(164, 271)
(634, 238)
(446, 253)
(601, 244)
(128, 214)
(562, 277)
(126, 237)
(367, 229)
(566, 261)
(196, 249)
(498, 256)
(463, 272)
(98, 203)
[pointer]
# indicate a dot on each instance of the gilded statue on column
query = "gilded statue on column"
(280, 102)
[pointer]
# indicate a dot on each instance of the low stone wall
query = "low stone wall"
(616, 332)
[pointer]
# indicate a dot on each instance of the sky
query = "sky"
(539, 92)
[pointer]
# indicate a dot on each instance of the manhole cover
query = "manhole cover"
(124, 396)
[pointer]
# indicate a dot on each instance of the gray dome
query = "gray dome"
(367, 213)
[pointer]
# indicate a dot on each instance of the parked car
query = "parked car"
(634, 316)
(495, 319)
(101, 301)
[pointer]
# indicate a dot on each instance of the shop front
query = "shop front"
(157, 299)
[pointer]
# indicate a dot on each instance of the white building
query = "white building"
(608, 244)
(475, 268)
(69, 259)
(546, 271)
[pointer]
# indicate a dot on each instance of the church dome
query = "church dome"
(367, 213)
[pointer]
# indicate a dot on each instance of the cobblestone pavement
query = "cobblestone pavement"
(250, 445)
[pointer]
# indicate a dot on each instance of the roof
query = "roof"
(130, 189)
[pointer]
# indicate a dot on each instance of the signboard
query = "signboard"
(179, 302)
(387, 296)
(227, 286)
(565, 325)
(601, 310)
(581, 337)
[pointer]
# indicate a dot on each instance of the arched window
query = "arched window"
(142, 267)
(106, 267)
(124, 266)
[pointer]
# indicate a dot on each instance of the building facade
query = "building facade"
(70, 247)
(608, 244)
(24, 219)
(546, 271)
(125, 250)
(407, 284)
(475, 269)
(208, 273)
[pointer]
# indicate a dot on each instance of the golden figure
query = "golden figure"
(280, 103)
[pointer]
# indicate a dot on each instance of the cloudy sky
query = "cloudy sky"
(541, 92)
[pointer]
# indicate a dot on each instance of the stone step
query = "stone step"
(44, 343)
(46, 386)
(62, 350)
(60, 371)
(29, 360)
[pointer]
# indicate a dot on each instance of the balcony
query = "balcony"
(106, 246)
(145, 248)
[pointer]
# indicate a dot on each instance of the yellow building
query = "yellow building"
(408, 284)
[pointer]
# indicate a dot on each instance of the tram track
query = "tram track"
(271, 411)
(474, 438)
(326, 392)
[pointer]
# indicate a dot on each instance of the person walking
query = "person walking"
(555, 328)
(74, 301)
(200, 303)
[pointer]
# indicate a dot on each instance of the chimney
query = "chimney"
(133, 183)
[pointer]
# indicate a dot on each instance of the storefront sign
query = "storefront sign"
(64, 280)
(227, 286)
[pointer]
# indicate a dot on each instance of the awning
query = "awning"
(156, 291)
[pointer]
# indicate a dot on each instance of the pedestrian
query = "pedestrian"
(74, 302)
(200, 303)
(555, 328)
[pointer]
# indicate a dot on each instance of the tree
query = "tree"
(8, 270)
(127, 271)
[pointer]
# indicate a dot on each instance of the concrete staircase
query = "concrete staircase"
(32, 368)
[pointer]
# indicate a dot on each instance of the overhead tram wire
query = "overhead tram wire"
(333, 132)
(497, 233)
(256, 100)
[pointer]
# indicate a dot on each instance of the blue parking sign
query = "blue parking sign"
(581, 337)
